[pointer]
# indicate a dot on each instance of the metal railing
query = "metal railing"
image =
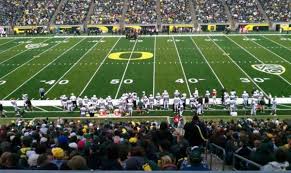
(249, 165)
(219, 152)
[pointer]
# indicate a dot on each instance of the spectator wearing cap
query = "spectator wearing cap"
(58, 158)
(194, 160)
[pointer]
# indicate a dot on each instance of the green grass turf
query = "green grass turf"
(81, 65)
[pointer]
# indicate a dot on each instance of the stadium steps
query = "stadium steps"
(231, 21)
(90, 12)
(124, 11)
(158, 10)
(193, 13)
(262, 11)
(61, 4)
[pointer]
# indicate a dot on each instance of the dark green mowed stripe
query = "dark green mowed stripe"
(111, 69)
(199, 74)
(267, 58)
(24, 73)
(81, 73)
(140, 71)
(227, 71)
(54, 70)
(168, 69)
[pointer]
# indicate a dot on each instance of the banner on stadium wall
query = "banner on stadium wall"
(286, 27)
(134, 27)
(171, 27)
(103, 28)
(211, 27)
(250, 27)
(22, 29)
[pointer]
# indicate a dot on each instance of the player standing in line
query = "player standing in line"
(70, 106)
(110, 106)
(86, 101)
(196, 94)
(158, 101)
(74, 101)
(192, 103)
(274, 106)
(80, 102)
(64, 101)
(2, 111)
(183, 100)
(214, 95)
(166, 99)
(176, 104)
(232, 105)
(83, 111)
(151, 101)
(206, 99)
(130, 108)
(254, 105)
(16, 108)
(245, 97)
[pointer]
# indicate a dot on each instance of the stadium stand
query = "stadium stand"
(107, 12)
(74, 12)
(210, 11)
(9, 12)
(37, 12)
(244, 11)
(277, 10)
(141, 12)
(175, 11)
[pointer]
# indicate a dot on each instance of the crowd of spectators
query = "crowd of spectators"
(277, 10)
(10, 11)
(77, 145)
(141, 12)
(37, 12)
(210, 11)
(245, 11)
(74, 12)
(175, 12)
(107, 12)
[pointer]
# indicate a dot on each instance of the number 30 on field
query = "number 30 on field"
(117, 81)
(51, 82)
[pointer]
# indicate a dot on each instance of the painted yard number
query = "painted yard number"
(258, 80)
(51, 82)
(191, 80)
(286, 39)
(117, 81)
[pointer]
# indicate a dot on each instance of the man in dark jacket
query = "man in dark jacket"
(195, 132)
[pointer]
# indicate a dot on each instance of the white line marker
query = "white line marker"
(97, 70)
(121, 81)
(276, 42)
(43, 68)
(154, 71)
(185, 77)
(84, 55)
(207, 63)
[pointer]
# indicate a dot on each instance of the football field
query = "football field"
(113, 65)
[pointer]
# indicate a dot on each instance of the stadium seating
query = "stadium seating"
(107, 12)
(175, 11)
(141, 12)
(74, 12)
(277, 10)
(210, 11)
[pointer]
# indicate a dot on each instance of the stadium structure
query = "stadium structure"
(145, 85)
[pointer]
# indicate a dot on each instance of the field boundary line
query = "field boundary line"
(121, 81)
(279, 44)
(257, 59)
(203, 56)
(7, 42)
(238, 66)
(44, 68)
(154, 71)
(14, 46)
(271, 52)
(100, 65)
(17, 53)
(182, 67)
(80, 58)
(35, 57)
(41, 109)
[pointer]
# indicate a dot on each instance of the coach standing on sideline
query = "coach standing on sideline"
(1, 110)
(195, 132)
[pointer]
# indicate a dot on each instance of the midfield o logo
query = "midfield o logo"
(275, 69)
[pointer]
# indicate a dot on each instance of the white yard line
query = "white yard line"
(271, 52)
(121, 81)
(7, 42)
(154, 71)
(44, 68)
(36, 56)
(83, 56)
(276, 42)
(185, 77)
(41, 109)
(225, 53)
(256, 58)
(100, 65)
(207, 63)
(13, 47)
(21, 53)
